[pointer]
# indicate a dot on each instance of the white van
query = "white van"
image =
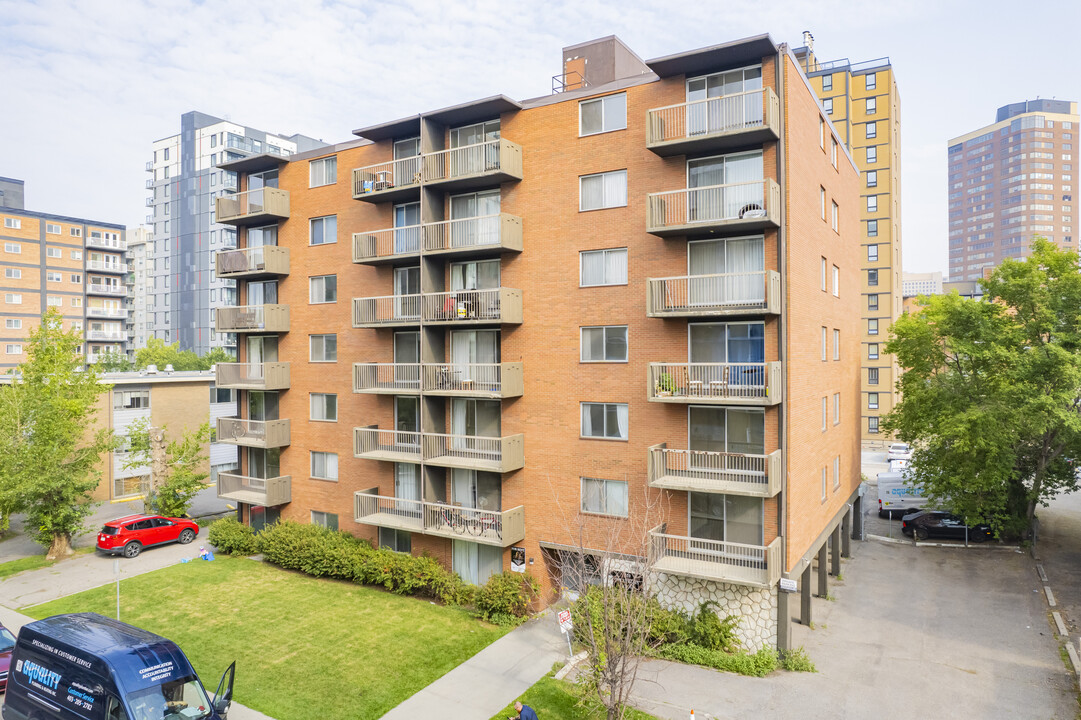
(897, 498)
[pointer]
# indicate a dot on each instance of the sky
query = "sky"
(86, 86)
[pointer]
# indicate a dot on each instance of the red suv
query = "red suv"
(129, 535)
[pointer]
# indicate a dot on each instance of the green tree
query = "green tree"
(991, 391)
(49, 451)
(179, 468)
(216, 355)
(114, 361)
(158, 353)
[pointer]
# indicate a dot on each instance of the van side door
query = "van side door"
(223, 696)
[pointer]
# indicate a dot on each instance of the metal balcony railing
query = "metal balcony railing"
(392, 445)
(474, 452)
(252, 376)
(717, 383)
(100, 289)
(476, 233)
(744, 117)
(747, 204)
(253, 433)
(720, 294)
(736, 563)
(386, 244)
(246, 262)
(489, 527)
(265, 492)
(388, 378)
(263, 204)
(396, 174)
(102, 312)
(495, 305)
(246, 318)
(386, 310)
(492, 157)
(497, 380)
(719, 472)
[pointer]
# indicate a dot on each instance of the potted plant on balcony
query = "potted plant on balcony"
(666, 385)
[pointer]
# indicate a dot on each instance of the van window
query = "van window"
(116, 710)
(176, 698)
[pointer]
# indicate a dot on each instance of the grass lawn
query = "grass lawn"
(556, 700)
(34, 562)
(305, 647)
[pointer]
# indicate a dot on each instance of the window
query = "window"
(872, 154)
(323, 348)
(833, 151)
(872, 351)
(836, 408)
(872, 130)
(827, 82)
(872, 105)
(604, 497)
(871, 80)
(872, 401)
(872, 376)
(76, 278)
(823, 274)
(872, 326)
(872, 280)
(822, 133)
(836, 344)
(76, 254)
(323, 230)
(395, 540)
(54, 301)
(827, 105)
(825, 413)
(872, 178)
(13, 298)
(324, 465)
(872, 301)
(836, 281)
(76, 302)
(836, 217)
(323, 289)
(325, 519)
(13, 273)
(603, 267)
(14, 349)
(603, 190)
(54, 277)
(13, 323)
(822, 201)
(836, 472)
(131, 400)
(872, 253)
(604, 420)
(602, 115)
(323, 172)
(872, 228)
(606, 343)
(872, 425)
(825, 352)
(324, 406)
(823, 484)
(13, 223)
(13, 248)
(52, 228)
(872, 203)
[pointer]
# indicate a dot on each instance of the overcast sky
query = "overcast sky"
(86, 86)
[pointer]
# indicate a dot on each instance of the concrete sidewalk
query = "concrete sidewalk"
(493, 678)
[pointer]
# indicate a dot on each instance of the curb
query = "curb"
(566, 669)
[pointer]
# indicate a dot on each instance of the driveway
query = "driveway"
(965, 631)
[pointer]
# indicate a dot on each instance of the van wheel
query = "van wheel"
(132, 549)
(186, 536)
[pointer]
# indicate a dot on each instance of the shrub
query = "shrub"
(232, 537)
(796, 660)
(712, 633)
(506, 598)
(759, 664)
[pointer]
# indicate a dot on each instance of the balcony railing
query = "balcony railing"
(386, 378)
(253, 433)
(106, 243)
(471, 307)
(494, 161)
(714, 123)
(754, 565)
(381, 246)
(252, 207)
(252, 262)
(248, 318)
(100, 289)
(103, 312)
(488, 527)
(386, 311)
(474, 452)
(265, 492)
(718, 472)
(709, 295)
(690, 211)
(391, 445)
(110, 267)
(387, 181)
(495, 380)
(489, 232)
(716, 383)
(252, 376)
(106, 335)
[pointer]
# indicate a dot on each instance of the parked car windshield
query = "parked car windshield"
(7, 640)
(182, 699)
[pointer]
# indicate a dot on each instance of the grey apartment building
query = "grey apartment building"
(182, 289)
(1010, 181)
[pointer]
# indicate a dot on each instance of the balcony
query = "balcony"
(109, 267)
(714, 295)
(105, 243)
(110, 290)
(473, 166)
(266, 492)
(150, 166)
(107, 313)
(721, 123)
(253, 207)
(487, 527)
(253, 433)
(488, 380)
(386, 378)
(106, 336)
(474, 307)
(757, 384)
(252, 376)
(705, 211)
(386, 246)
(392, 181)
(474, 452)
(716, 472)
(387, 311)
(736, 563)
(371, 443)
(252, 318)
(252, 262)
(476, 235)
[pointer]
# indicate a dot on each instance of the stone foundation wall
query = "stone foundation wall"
(756, 608)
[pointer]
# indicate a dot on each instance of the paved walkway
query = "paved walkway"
(493, 678)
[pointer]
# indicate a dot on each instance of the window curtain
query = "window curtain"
(616, 498)
(622, 413)
(615, 189)
(407, 238)
(587, 419)
(738, 169)
(747, 256)
(592, 192)
(464, 488)
(615, 265)
(592, 268)
(463, 348)
(464, 561)
(706, 258)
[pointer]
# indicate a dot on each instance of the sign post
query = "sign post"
(566, 624)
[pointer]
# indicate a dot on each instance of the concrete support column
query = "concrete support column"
(846, 534)
(835, 551)
(857, 519)
(823, 570)
(784, 621)
(805, 597)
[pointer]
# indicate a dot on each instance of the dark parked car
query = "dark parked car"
(129, 535)
(7, 644)
(937, 523)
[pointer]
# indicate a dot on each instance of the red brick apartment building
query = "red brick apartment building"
(470, 329)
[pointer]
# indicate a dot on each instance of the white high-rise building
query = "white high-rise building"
(182, 289)
(913, 284)
(140, 256)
